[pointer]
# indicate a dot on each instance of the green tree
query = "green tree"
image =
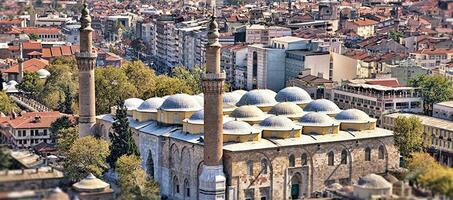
(86, 155)
(434, 89)
(169, 85)
(66, 137)
(418, 165)
(394, 35)
(62, 122)
(121, 140)
(191, 77)
(409, 135)
(33, 36)
(132, 180)
(7, 105)
(142, 77)
(5, 159)
(112, 86)
(31, 84)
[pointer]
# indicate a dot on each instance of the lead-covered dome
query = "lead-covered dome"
(238, 128)
(287, 109)
(247, 112)
(240, 92)
(258, 97)
(231, 98)
(151, 104)
(197, 117)
(181, 102)
(43, 73)
(317, 119)
(322, 106)
(199, 99)
(293, 94)
(373, 181)
(353, 116)
(133, 103)
(278, 123)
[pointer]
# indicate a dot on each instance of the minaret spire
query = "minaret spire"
(212, 178)
(86, 62)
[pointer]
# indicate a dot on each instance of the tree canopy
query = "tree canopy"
(5, 159)
(434, 89)
(31, 84)
(7, 104)
(65, 138)
(86, 155)
(132, 180)
(408, 135)
(62, 122)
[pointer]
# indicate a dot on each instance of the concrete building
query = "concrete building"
(362, 27)
(261, 34)
(30, 179)
(348, 67)
(443, 110)
(234, 62)
(377, 97)
(432, 58)
(446, 70)
(86, 62)
(439, 130)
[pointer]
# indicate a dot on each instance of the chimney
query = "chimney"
(37, 119)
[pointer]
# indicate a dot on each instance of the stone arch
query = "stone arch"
(174, 156)
(185, 160)
(271, 174)
(150, 164)
(386, 159)
(264, 166)
(176, 190)
(199, 169)
(291, 160)
(186, 189)
(296, 184)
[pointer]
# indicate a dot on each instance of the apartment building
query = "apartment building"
(362, 27)
(234, 61)
(261, 34)
(440, 134)
(443, 110)
(377, 97)
(446, 70)
(432, 58)
(45, 34)
(27, 129)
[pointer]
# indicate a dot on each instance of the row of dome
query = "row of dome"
(262, 98)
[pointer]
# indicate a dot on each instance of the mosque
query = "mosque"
(255, 144)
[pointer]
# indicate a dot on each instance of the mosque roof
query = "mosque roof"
(151, 104)
(199, 98)
(181, 102)
(248, 112)
(278, 123)
(133, 103)
(317, 119)
(231, 98)
(322, 105)
(43, 73)
(90, 183)
(353, 115)
(258, 97)
(236, 127)
(287, 109)
(293, 94)
(196, 118)
(240, 92)
(373, 181)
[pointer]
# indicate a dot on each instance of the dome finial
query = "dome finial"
(85, 19)
(213, 32)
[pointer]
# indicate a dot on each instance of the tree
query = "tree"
(434, 89)
(169, 85)
(395, 35)
(409, 135)
(121, 140)
(132, 180)
(31, 84)
(112, 86)
(142, 77)
(62, 122)
(418, 165)
(7, 105)
(86, 155)
(33, 36)
(5, 159)
(191, 77)
(66, 137)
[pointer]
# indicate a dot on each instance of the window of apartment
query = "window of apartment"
(45, 132)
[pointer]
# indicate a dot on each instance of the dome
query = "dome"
(231, 98)
(373, 181)
(196, 118)
(43, 73)
(133, 103)
(354, 115)
(247, 112)
(278, 123)
(316, 119)
(151, 104)
(238, 127)
(293, 94)
(259, 97)
(12, 82)
(240, 92)
(90, 183)
(322, 105)
(287, 109)
(181, 102)
(199, 99)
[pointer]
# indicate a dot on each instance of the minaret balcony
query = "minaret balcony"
(214, 76)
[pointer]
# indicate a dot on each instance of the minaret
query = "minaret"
(20, 63)
(212, 178)
(86, 61)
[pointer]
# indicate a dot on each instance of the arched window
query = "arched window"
(344, 157)
(150, 164)
(304, 159)
(292, 161)
(367, 154)
(330, 158)
(264, 166)
(381, 152)
(250, 167)
(175, 185)
(187, 188)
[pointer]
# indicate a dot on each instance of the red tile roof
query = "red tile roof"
(56, 51)
(385, 82)
(46, 53)
(29, 120)
(66, 50)
(39, 30)
(364, 22)
(31, 45)
(32, 65)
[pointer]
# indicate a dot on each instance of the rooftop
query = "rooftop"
(30, 174)
(426, 120)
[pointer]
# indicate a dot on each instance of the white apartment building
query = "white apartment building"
(362, 27)
(377, 97)
(261, 34)
(432, 58)
(443, 110)
(347, 67)
(446, 70)
(234, 62)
